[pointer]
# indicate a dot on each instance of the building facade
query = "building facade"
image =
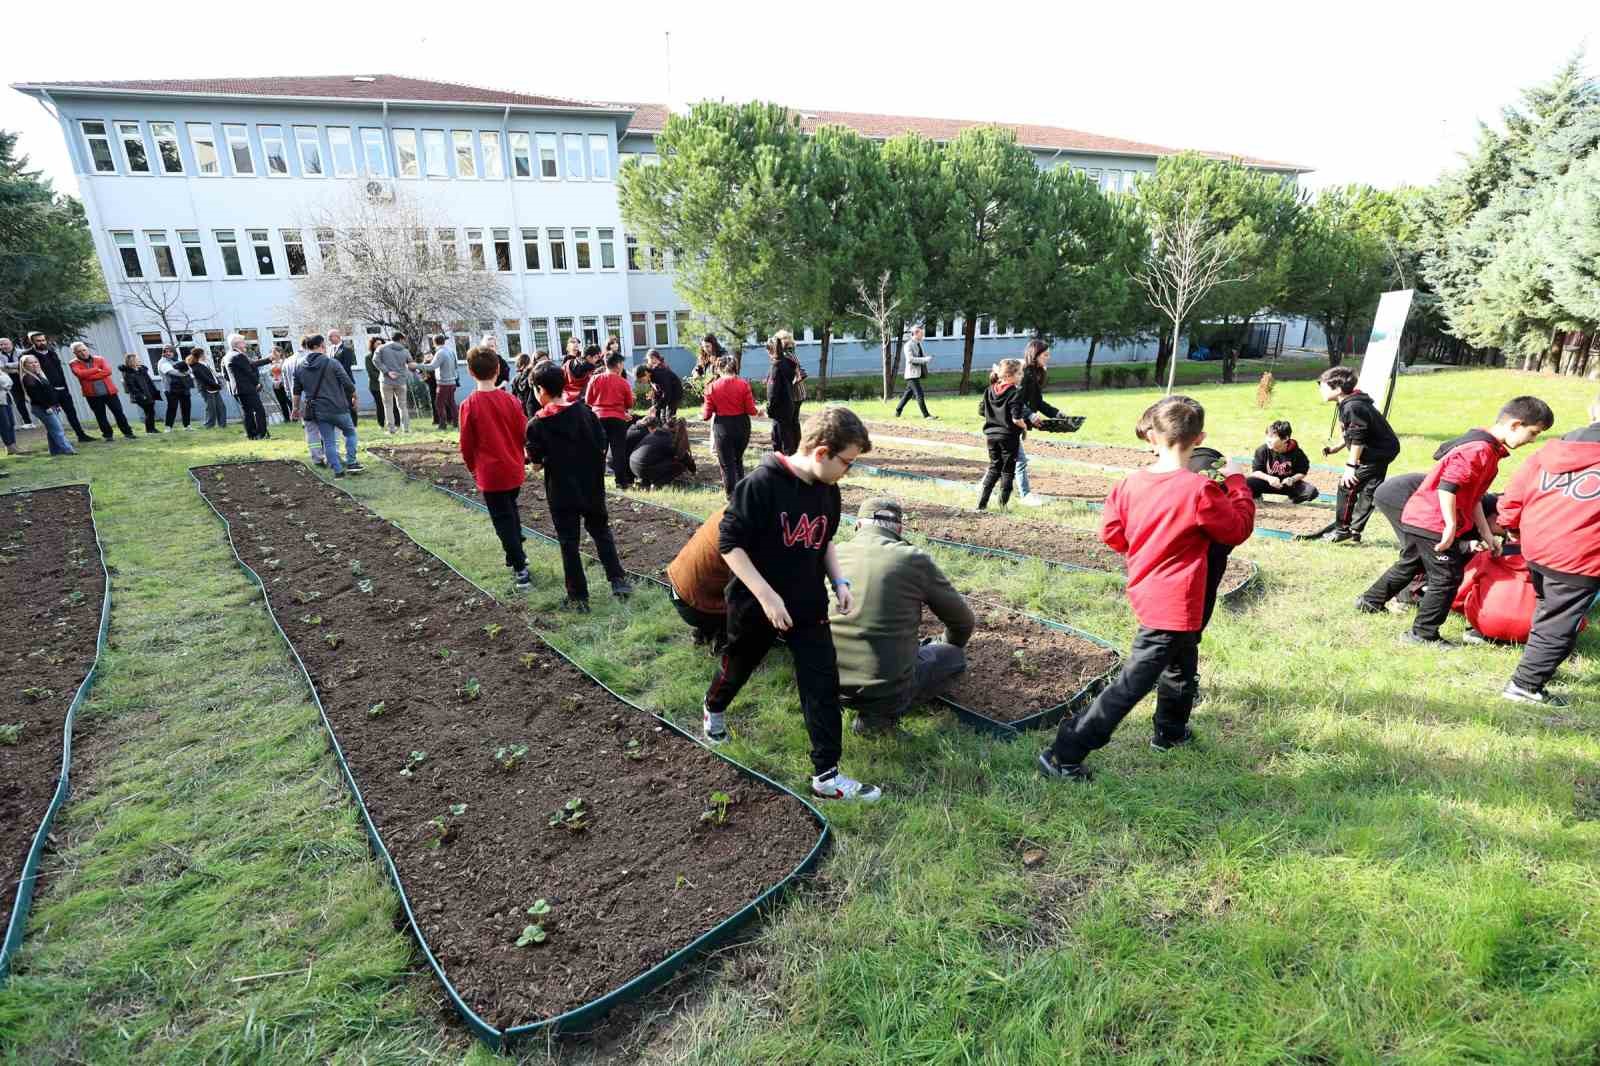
(199, 194)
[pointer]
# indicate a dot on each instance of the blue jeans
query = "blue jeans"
(8, 426)
(1022, 471)
(52, 429)
(330, 443)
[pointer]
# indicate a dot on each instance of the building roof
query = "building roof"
(652, 118)
(370, 87)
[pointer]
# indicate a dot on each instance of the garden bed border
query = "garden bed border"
(17, 922)
(634, 988)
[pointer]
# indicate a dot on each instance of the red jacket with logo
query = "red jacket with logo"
(1554, 502)
(1165, 523)
(1467, 466)
(491, 439)
(609, 395)
(96, 369)
(729, 396)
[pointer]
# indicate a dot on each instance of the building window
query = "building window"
(128, 250)
(573, 143)
(310, 147)
(327, 250)
(238, 138)
(494, 167)
(547, 156)
(161, 252)
(447, 248)
(294, 252)
(344, 152)
(624, 158)
(558, 250)
(133, 147)
(434, 155)
(582, 252)
(280, 340)
(460, 338)
(681, 323)
(203, 142)
(641, 330)
(563, 334)
(194, 253)
(530, 249)
(261, 243)
(657, 261)
(232, 266)
(214, 341)
(153, 344)
(521, 160)
(608, 249)
(502, 250)
(475, 250)
(252, 338)
(649, 159)
(405, 153)
(662, 337)
(99, 147)
(166, 137)
(513, 328)
(466, 162)
(614, 328)
(591, 331)
(374, 152)
(541, 334)
(631, 244)
(599, 157)
(273, 151)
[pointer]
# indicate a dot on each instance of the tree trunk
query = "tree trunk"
(1335, 356)
(888, 368)
(822, 360)
(1088, 363)
(1230, 358)
(1163, 356)
(969, 339)
(1172, 362)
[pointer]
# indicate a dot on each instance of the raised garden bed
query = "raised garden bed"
(648, 537)
(1024, 672)
(53, 583)
(493, 774)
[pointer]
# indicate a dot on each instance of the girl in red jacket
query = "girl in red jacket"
(729, 405)
(1164, 519)
(492, 427)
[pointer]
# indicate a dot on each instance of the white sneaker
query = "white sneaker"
(29, 425)
(712, 727)
(1032, 499)
(834, 785)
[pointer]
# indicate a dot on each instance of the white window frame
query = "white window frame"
(463, 139)
(335, 135)
(169, 137)
(222, 252)
(525, 140)
(123, 240)
(568, 140)
(486, 138)
(233, 144)
(601, 144)
(265, 241)
(661, 333)
(605, 239)
(556, 237)
(539, 334)
(157, 240)
(191, 128)
(123, 138)
(633, 254)
(327, 247)
(477, 254)
(312, 136)
(540, 141)
(269, 134)
(299, 241)
(581, 242)
(538, 255)
(191, 239)
(427, 139)
(641, 329)
(612, 327)
(497, 236)
(88, 145)
(449, 247)
(401, 138)
(381, 143)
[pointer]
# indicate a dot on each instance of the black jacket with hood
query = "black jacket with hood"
(785, 525)
(1363, 424)
(567, 440)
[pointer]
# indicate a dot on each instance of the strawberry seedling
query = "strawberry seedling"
(377, 709)
(509, 756)
(471, 690)
(717, 812)
(415, 760)
(10, 734)
(573, 817)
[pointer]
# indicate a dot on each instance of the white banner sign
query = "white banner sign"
(1383, 347)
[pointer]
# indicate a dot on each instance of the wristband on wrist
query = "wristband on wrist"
(1353, 466)
(842, 581)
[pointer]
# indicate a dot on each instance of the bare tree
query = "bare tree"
(382, 264)
(162, 302)
(881, 308)
(1188, 258)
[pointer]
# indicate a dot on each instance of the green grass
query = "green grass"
(1369, 858)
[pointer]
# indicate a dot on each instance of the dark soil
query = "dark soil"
(472, 841)
(1017, 667)
(648, 537)
(53, 588)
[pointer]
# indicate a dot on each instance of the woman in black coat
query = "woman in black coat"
(783, 405)
(140, 389)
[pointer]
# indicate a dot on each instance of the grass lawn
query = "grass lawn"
(1368, 858)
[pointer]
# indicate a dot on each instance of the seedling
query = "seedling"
(717, 812)
(493, 629)
(633, 750)
(333, 639)
(10, 734)
(443, 653)
(416, 627)
(528, 660)
(273, 564)
(37, 694)
(415, 760)
(377, 709)
(573, 817)
(510, 755)
(305, 596)
(471, 690)
(458, 809)
(311, 619)
(355, 568)
(531, 934)
(439, 833)
(366, 586)
(1026, 668)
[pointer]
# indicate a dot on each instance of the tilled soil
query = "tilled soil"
(431, 687)
(648, 537)
(53, 589)
(1017, 667)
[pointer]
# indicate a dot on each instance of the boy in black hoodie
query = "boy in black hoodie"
(1280, 467)
(1373, 446)
(565, 440)
(777, 538)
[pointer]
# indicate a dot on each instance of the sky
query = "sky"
(1383, 93)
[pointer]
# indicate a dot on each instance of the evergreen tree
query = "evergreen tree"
(49, 278)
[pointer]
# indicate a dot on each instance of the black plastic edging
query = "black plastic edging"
(638, 986)
(17, 922)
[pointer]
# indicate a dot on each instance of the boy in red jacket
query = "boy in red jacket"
(492, 428)
(1446, 512)
(1554, 504)
(610, 397)
(1164, 519)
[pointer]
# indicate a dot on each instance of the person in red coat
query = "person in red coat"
(1164, 519)
(1498, 598)
(492, 427)
(94, 377)
(610, 396)
(729, 403)
(1553, 504)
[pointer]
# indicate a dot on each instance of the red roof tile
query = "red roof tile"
(337, 86)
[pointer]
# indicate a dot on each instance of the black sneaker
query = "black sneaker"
(354, 468)
(1162, 743)
(622, 589)
(875, 727)
(1070, 771)
(524, 581)
(1437, 643)
(1366, 608)
(338, 473)
(578, 606)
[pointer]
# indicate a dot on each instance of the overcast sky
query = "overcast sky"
(1386, 93)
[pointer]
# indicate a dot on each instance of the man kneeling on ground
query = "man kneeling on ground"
(883, 672)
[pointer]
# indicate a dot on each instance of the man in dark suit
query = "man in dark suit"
(245, 374)
(343, 352)
(53, 369)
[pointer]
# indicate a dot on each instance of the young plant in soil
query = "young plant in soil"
(10, 734)
(534, 933)
(493, 629)
(574, 817)
(528, 660)
(716, 813)
(471, 690)
(37, 694)
(311, 619)
(509, 756)
(333, 639)
(633, 750)
(415, 760)
(440, 833)
(1024, 666)
(377, 709)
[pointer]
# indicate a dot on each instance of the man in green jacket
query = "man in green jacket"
(883, 669)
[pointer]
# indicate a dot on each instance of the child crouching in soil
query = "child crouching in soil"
(492, 427)
(1164, 519)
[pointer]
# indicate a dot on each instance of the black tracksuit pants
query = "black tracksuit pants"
(1563, 601)
(1002, 468)
(1419, 555)
(1161, 659)
(254, 415)
(149, 409)
(816, 676)
(101, 405)
(70, 409)
(507, 520)
(176, 402)
(730, 436)
(568, 523)
(1299, 492)
(283, 400)
(1354, 504)
(617, 444)
(786, 431)
(913, 389)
